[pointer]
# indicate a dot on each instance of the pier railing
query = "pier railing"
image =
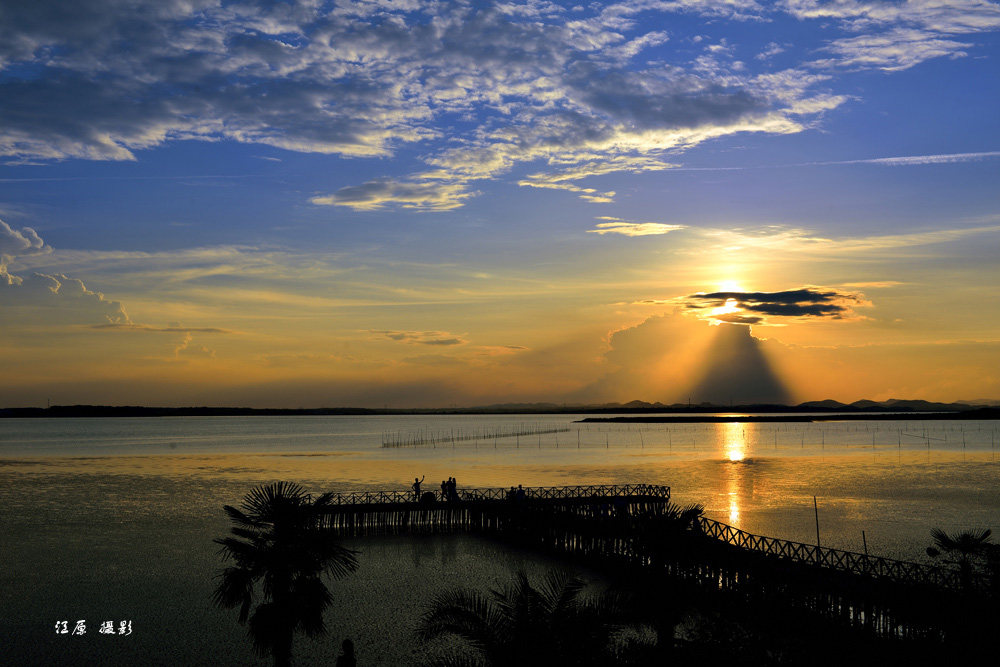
(846, 561)
(532, 493)
(635, 525)
(832, 559)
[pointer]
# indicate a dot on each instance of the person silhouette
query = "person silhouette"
(416, 489)
(346, 658)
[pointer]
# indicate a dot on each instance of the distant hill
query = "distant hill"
(924, 406)
(827, 405)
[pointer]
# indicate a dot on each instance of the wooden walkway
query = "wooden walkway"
(481, 510)
(835, 559)
(636, 526)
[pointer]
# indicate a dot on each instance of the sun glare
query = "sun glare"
(734, 437)
(730, 286)
(736, 448)
(731, 306)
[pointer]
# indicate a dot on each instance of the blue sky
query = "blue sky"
(380, 202)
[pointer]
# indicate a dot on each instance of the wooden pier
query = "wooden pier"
(482, 510)
(636, 527)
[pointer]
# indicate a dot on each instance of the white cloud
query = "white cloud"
(374, 195)
(894, 50)
(630, 228)
(56, 299)
(432, 338)
(59, 298)
(14, 243)
(186, 348)
(527, 83)
(771, 49)
(952, 16)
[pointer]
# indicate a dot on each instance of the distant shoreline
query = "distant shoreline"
(653, 414)
(982, 413)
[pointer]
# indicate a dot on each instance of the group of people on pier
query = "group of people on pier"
(516, 494)
(449, 490)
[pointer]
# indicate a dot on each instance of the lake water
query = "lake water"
(113, 519)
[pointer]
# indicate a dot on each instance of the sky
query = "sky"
(421, 204)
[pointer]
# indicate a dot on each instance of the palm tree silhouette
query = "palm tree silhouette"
(277, 541)
(670, 527)
(534, 627)
(966, 546)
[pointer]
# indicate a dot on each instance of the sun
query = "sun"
(730, 286)
(731, 306)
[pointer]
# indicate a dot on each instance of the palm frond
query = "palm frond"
(310, 597)
(692, 512)
(335, 560)
(550, 625)
(560, 592)
(235, 588)
(966, 543)
(267, 628)
(615, 608)
(466, 614)
(263, 502)
(322, 501)
(240, 518)
(455, 659)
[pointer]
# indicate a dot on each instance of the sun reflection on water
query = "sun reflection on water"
(736, 448)
(735, 441)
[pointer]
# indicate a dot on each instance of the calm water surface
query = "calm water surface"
(113, 519)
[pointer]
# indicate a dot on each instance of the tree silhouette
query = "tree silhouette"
(553, 624)
(967, 546)
(278, 543)
(669, 527)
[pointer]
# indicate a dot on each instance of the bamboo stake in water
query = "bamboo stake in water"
(816, 511)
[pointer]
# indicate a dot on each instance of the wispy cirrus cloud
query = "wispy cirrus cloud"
(958, 16)
(433, 338)
(791, 240)
(914, 160)
(894, 36)
(897, 161)
(374, 195)
(145, 328)
(875, 284)
(891, 51)
(586, 167)
(632, 228)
